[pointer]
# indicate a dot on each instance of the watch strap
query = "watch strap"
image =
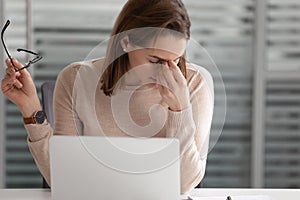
(31, 120)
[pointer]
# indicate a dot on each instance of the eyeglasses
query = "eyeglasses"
(34, 60)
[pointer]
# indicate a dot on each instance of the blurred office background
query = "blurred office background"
(255, 44)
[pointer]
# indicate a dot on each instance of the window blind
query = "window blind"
(225, 30)
(282, 164)
(2, 114)
(20, 168)
(64, 32)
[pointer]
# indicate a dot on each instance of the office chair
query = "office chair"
(47, 89)
(200, 185)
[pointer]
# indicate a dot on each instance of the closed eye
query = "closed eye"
(156, 62)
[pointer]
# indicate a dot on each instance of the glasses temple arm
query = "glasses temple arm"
(27, 51)
(2, 39)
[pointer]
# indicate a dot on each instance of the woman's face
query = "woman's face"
(163, 50)
(146, 62)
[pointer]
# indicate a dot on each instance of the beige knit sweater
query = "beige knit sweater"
(80, 108)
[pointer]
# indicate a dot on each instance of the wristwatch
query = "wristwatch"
(38, 118)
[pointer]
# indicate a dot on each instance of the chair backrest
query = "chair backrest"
(47, 89)
(47, 100)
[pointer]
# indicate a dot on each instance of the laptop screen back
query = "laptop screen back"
(86, 167)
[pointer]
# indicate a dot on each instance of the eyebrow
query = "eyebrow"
(162, 58)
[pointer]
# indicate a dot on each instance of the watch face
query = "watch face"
(40, 117)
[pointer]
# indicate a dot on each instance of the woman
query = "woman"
(174, 84)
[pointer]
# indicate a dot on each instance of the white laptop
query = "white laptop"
(114, 168)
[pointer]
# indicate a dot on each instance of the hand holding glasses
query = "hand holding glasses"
(34, 60)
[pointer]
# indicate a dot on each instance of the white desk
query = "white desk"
(275, 194)
(25, 194)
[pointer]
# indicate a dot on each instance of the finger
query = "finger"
(6, 84)
(176, 61)
(173, 66)
(17, 83)
(161, 79)
(17, 64)
(10, 84)
(165, 93)
(177, 72)
(13, 64)
(10, 79)
(162, 90)
(170, 79)
(9, 63)
(9, 71)
(6, 88)
(163, 103)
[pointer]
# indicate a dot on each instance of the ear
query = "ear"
(125, 43)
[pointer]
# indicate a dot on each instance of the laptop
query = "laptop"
(114, 168)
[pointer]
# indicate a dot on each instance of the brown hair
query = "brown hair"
(168, 14)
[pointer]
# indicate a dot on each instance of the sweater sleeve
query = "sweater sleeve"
(39, 134)
(192, 128)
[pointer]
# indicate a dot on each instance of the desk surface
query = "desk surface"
(275, 194)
